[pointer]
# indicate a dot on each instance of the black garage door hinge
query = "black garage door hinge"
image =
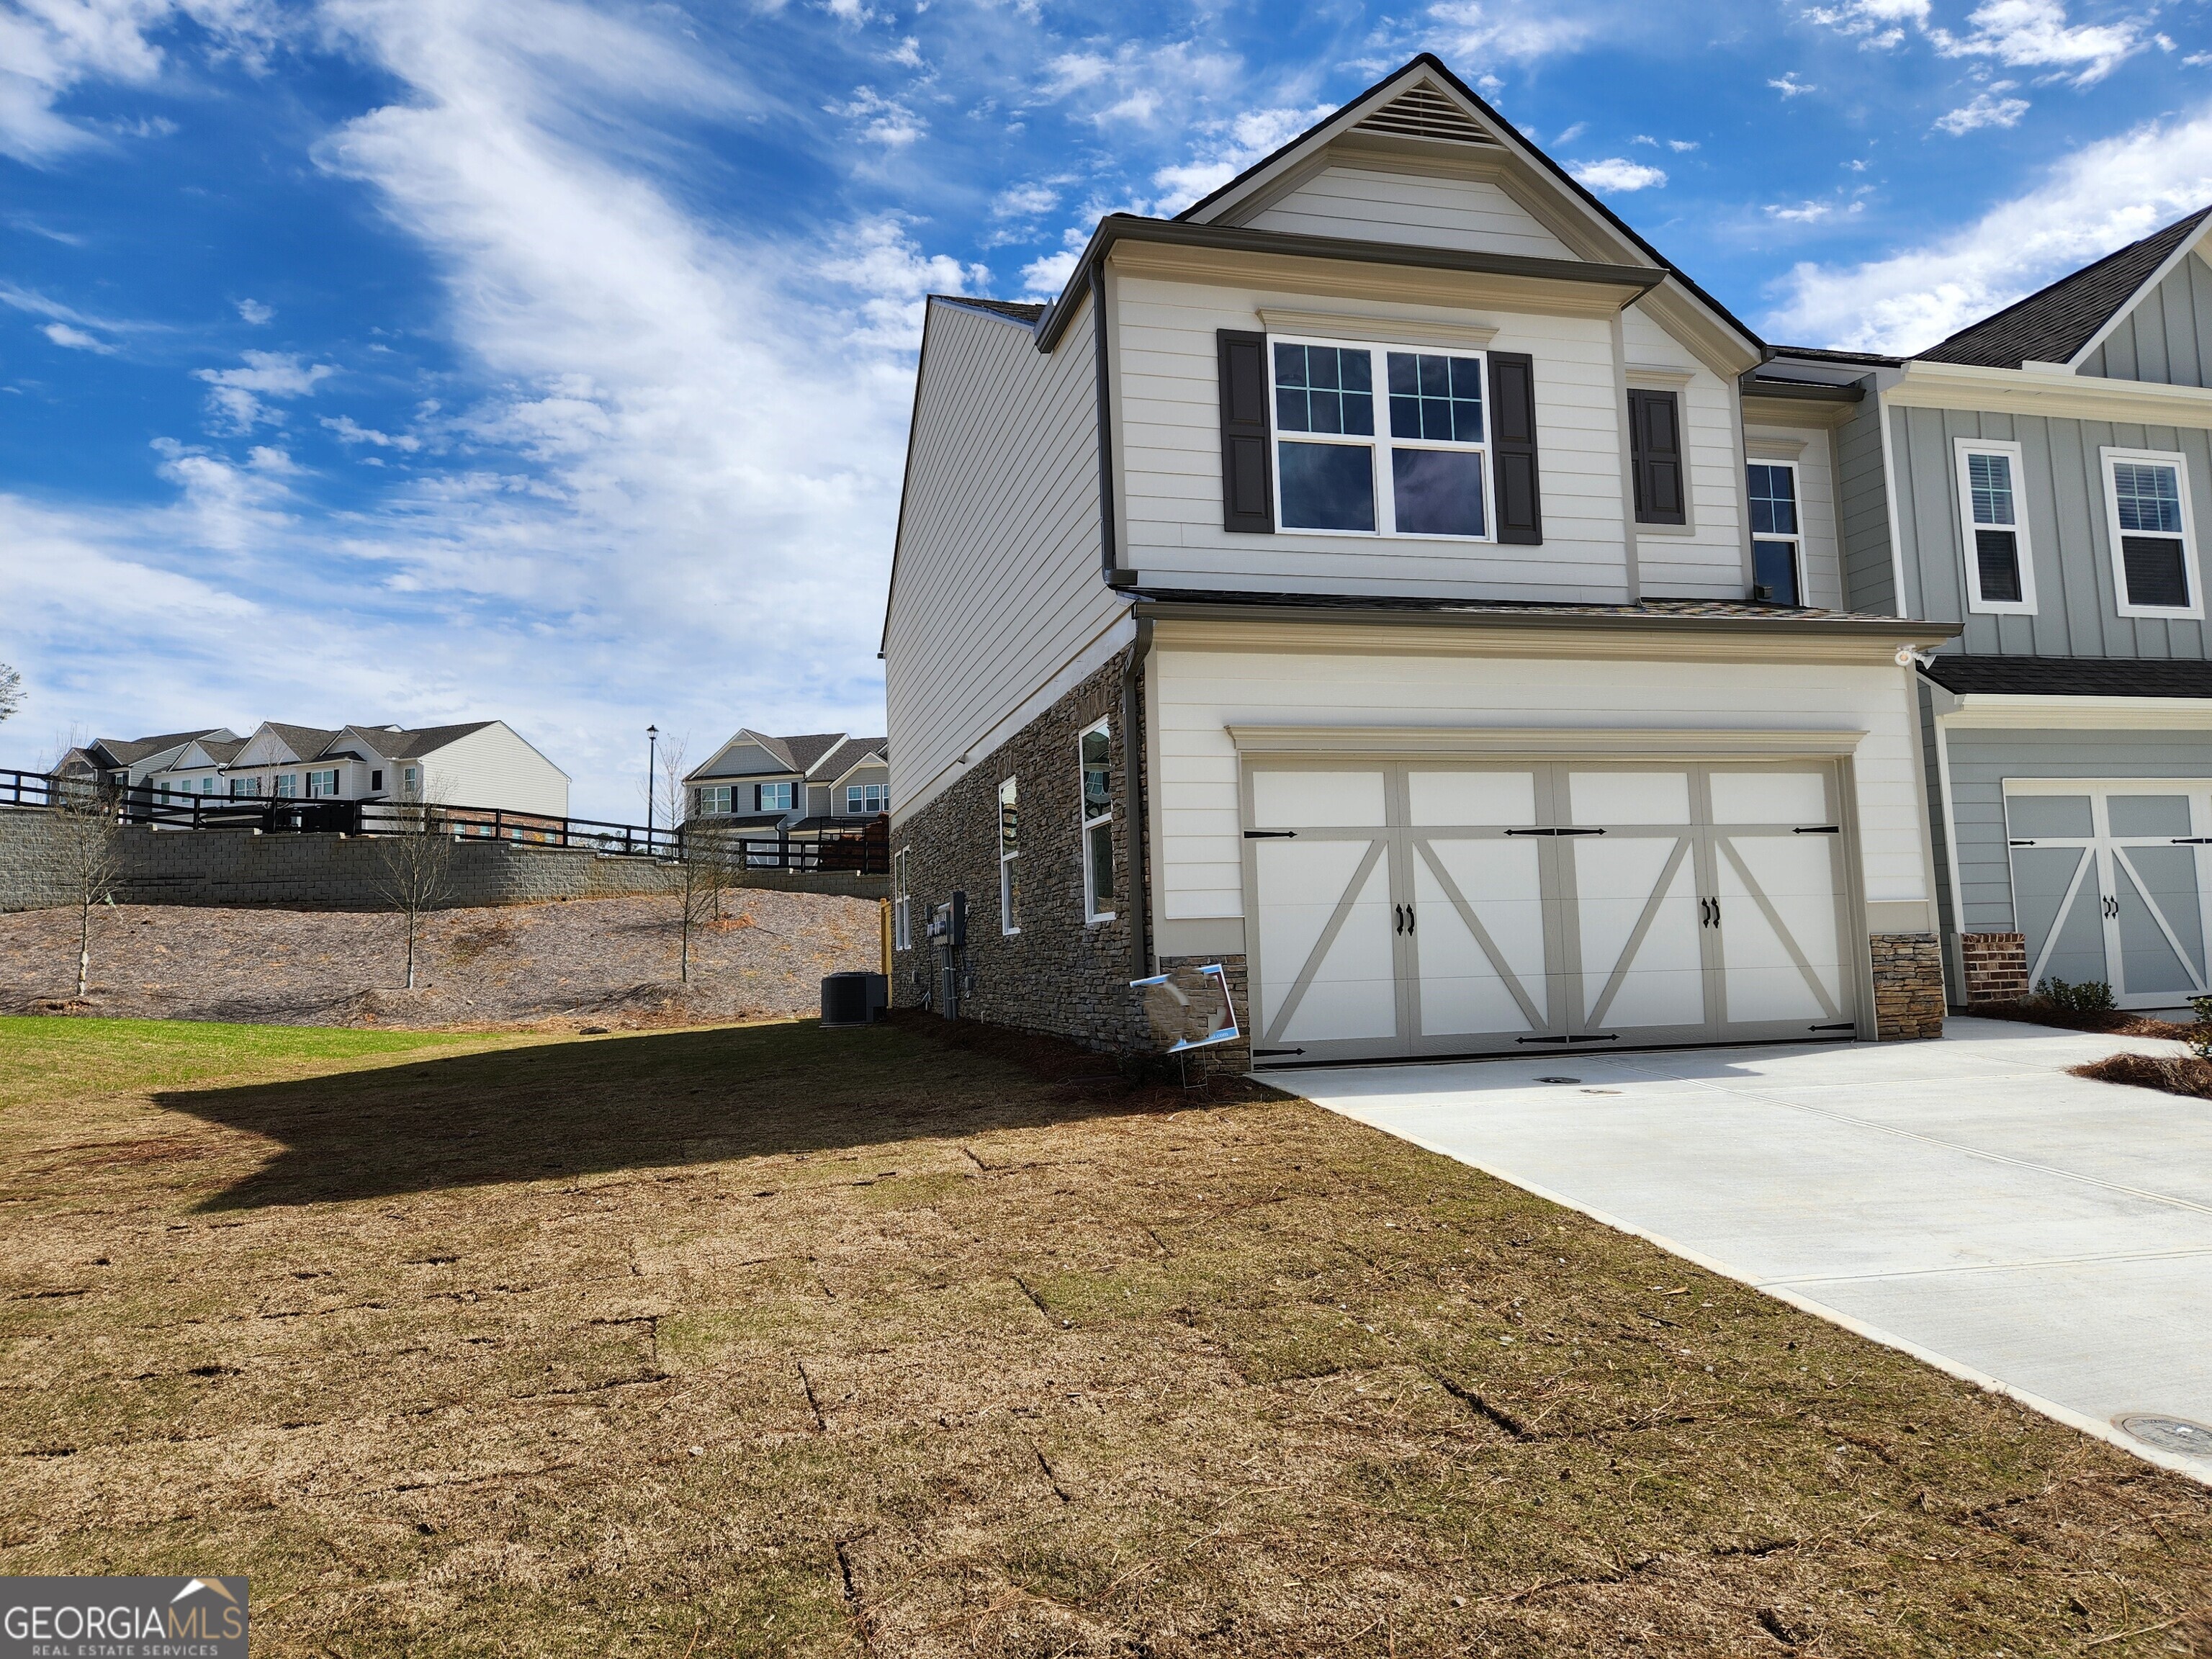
(1271, 835)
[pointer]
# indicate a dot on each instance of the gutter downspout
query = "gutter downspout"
(1108, 551)
(1132, 788)
(1957, 942)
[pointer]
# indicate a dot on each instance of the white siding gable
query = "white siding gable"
(1372, 202)
(493, 766)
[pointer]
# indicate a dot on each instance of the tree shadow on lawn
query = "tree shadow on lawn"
(562, 1109)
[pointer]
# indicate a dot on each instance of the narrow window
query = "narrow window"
(1094, 751)
(1009, 855)
(1654, 442)
(2155, 561)
(407, 779)
(1993, 524)
(901, 900)
(1777, 538)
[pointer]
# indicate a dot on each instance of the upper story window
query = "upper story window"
(321, 784)
(1009, 859)
(772, 797)
(1777, 536)
(1093, 754)
(410, 779)
(2000, 575)
(2154, 549)
(245, 787)
(712, 800)
(1422, 470)
(869, 799)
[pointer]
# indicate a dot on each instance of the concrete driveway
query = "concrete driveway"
(1966, 1201)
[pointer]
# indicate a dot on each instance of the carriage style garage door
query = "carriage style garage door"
(1421, 908)
(2108, 883)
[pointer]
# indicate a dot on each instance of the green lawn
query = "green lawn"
(778, 1340)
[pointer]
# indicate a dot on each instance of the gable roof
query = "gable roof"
(802, 754)
(128, 752)
(2054, 324)
(1018, 310)
(407, 746)
(805, 750)
(1423, 99)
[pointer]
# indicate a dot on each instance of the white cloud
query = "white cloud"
(882, 120)
(2103, 196)
(1682, 145)
(2034, 33)
(255, 312)
(62, 335)
(1044, 277)
(1616, 174)
(1985, 109)
(348, 431)
(1226, 148)
(2198, 59)
(1577, 131)
(1805, 213)
(237, 394)
(1517, 30)
(1024, 201)
(1133, 84)
(1790, 87)
(1877, 25)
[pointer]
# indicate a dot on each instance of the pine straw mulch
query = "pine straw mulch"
(781, 1341)
(608, 962)
(2175, 1074)
(2109, 1022)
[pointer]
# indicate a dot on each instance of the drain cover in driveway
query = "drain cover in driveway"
(2175, 1434)
(1559, 1080)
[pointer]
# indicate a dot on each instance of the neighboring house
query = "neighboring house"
(820, 782)
(481, 763)
(2042, 480)
(1391, 542)
(130, 760)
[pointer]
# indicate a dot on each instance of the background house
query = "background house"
(805, 785)
(127, 761)
(482, 763)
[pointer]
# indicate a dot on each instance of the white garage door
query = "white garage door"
(1426, 908)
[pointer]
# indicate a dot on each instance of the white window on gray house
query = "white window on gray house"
(903, 900)
(1009, 859)
(772, 797)
(2000, 574)
(1431, 455)
(711, 800)
(288, 785)
(2155, 562)
(410, 779)
(863, 797)
(1094, 749)
(1776, 533)
(322, 784)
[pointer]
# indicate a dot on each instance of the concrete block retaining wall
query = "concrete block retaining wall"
(244, 867)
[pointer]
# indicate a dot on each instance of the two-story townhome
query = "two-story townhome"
(1379, 580)
(2041, 480)
(481, 763)
(815, 784)
(125, 762)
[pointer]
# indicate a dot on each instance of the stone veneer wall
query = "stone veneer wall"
(1060, 974)
(1995, 966)
(1908, 985)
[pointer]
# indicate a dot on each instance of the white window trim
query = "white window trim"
(2179, 463)
(1381, 443)
(1008, 926)
(1796, 539)
(1963, 448)
(1089, 821)
(902, 901)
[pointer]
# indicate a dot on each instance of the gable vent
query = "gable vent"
(1424, 112)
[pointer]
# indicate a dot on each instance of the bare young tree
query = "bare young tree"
(11, 690)
(89, 855)
(415, 861)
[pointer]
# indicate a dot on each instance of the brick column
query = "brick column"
(1996, 965)
(1908, 985)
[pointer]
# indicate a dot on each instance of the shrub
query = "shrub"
(2200, 1033)
(2091, 996)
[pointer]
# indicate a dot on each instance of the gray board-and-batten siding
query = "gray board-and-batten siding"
(2167, 336)
(2061, 484)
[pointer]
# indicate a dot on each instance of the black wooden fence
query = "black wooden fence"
(866, 851)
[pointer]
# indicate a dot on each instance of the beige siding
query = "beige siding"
(1200, 694)
(997, 586)
(1169, 410)
(1705, 558)
(494, 767)
(1810, 447)
(1376, 204)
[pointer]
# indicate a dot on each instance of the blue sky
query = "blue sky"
(430, 359)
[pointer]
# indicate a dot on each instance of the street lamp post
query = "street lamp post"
(652, 761)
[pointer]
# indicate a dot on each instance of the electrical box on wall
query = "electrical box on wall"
(948, 923)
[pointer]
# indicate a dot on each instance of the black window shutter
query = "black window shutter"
(1655, 435)
(1248, 489)
(1513, 440)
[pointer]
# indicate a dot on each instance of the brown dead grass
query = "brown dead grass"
(792, 1341)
